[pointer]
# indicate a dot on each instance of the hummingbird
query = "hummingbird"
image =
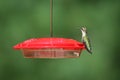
(85, 39)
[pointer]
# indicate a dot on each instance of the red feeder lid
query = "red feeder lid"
(41, 43)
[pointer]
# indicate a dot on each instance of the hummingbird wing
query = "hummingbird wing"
(87, 43)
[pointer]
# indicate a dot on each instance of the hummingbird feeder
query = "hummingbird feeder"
(50, 47)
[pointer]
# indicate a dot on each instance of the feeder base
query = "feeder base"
(51, 53)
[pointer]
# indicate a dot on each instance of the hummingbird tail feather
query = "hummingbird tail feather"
(89, 50)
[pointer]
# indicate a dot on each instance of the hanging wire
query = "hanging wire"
(51, 18)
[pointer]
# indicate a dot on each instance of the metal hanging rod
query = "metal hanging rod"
(51, 18)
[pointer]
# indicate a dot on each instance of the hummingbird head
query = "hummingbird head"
(83, 30)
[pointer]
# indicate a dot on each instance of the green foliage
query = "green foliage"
(24, 19)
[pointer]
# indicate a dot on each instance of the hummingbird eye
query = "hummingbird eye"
(82, 29)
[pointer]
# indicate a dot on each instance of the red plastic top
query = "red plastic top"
(39, 43)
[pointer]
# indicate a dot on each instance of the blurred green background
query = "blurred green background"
(24, 19)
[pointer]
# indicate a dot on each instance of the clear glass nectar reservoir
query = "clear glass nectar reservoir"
(50, 48)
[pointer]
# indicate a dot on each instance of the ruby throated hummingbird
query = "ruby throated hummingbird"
(86, 40)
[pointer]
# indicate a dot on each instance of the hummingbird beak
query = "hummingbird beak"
(83, 28)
